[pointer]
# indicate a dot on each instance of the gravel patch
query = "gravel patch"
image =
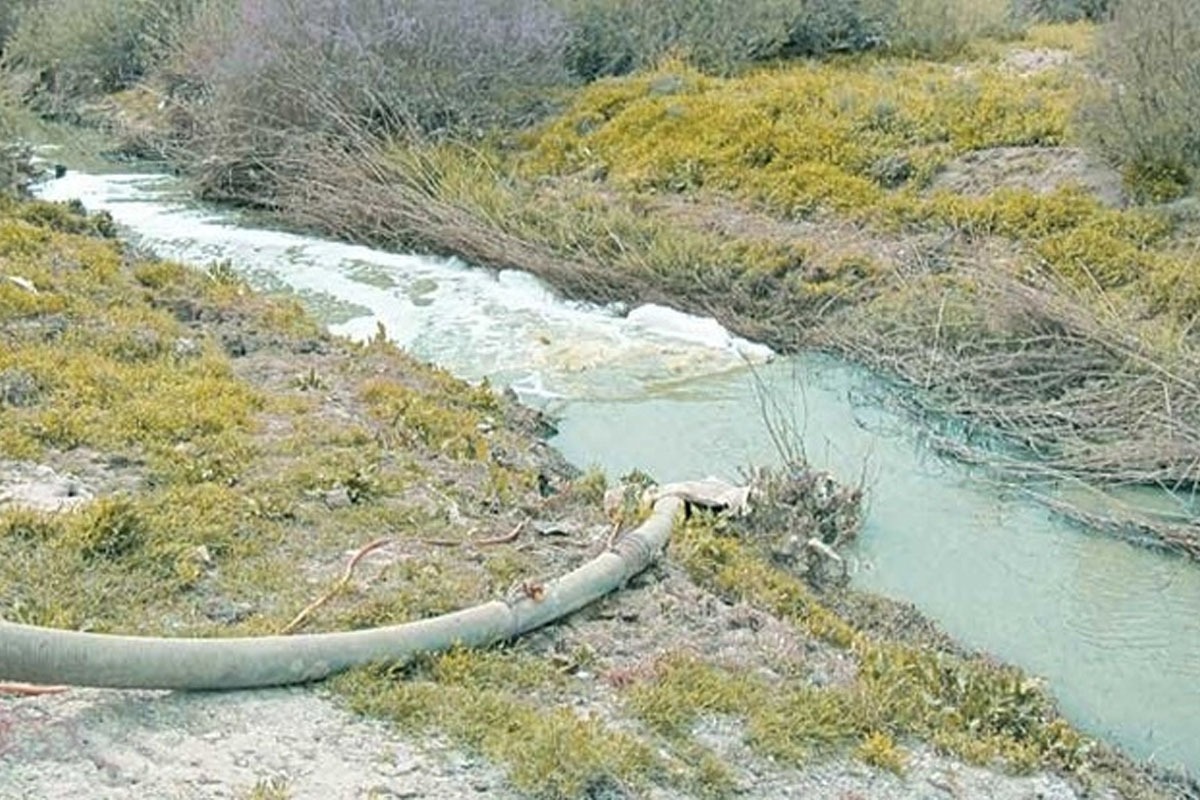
(125, 745)
(118, 745)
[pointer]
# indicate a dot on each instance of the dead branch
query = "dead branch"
(312, 607)
(511, 536)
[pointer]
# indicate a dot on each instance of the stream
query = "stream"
(1113, 629)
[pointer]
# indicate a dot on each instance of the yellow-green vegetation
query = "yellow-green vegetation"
(487, 701)
(975, 708)
(415, 419)
(898, 694)
(862, 138)
(622, 194)
(225, 481)
(800, 137)
(255, 452)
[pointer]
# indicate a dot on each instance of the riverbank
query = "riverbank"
(936, 220)
(229, 516)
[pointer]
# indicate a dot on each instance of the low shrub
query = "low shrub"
(86, 49)
(616, 37)
(1145, 116)
(939, 28)
(1065, 10)
(263, 79)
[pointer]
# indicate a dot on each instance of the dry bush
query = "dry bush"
(84, 49)
(1146, 115)
(259, 76)
(393, 196)
(1065, 10)
(1040, 381)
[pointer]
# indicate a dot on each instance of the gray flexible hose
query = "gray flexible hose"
(50, 656)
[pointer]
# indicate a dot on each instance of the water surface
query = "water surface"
(1115, 630)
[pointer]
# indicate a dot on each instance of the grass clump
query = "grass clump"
(879, 750)
(411, 416)
(684, 688)
(267, 789)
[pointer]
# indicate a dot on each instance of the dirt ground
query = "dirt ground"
(125, 745)
(1038, 169)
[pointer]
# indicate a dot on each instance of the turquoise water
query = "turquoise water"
(1114, 629)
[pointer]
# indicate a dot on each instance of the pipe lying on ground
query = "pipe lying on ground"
(50, 656)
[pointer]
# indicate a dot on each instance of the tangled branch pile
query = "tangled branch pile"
(1043, 382)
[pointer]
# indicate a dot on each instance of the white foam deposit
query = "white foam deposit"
(506, 326)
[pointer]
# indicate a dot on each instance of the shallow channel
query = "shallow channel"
(1114, 629)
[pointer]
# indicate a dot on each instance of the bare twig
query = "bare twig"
(308, 611)
(1032, 378)
(511, 536)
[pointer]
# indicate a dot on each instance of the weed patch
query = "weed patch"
(477, 698)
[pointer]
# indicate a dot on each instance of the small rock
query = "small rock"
(18, 388)
(550, 528)
(337, 498)
(185, 348)
(228, 612)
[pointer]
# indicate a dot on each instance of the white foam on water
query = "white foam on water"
(507, 326)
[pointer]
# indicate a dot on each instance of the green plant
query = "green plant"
(940, 28)
(1065, 10)
(268, 789)
(85, 49)
(615, 37)
(880, 750)
(1145, 116)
